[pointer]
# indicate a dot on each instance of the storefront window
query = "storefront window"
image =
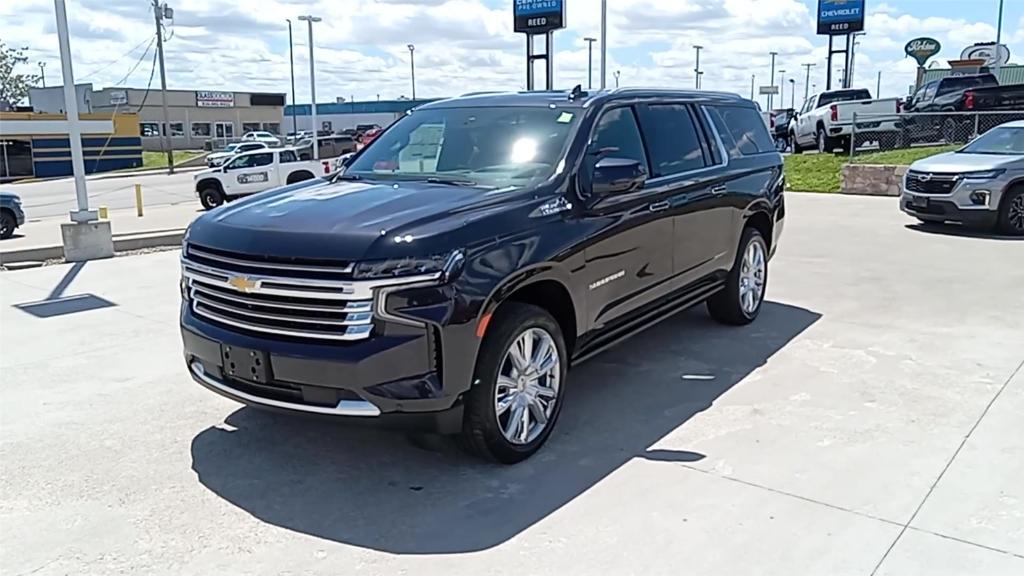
(201, 129)
(250, 127)
(148, 129)
(177, 128)
(272, 127)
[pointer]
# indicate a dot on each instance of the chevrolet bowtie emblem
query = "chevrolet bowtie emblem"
(244, 283)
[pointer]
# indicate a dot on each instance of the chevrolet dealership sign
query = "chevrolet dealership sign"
(836, 17)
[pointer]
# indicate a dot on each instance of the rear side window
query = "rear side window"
(959, 83)
(742, 130)
(262, 159)
(618, 129)
(288, 156)
(672, 139)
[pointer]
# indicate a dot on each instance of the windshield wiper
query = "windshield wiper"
(450, 181)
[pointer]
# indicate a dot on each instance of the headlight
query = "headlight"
(411, 266)
(982, 175)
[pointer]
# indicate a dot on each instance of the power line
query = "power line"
(118, 59)
(136, 66)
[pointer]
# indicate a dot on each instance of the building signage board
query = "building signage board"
(206, 99)
(990, 52)
(836, 17)
(921, 49)
(118, 97)
(538, 16)
(773, 90)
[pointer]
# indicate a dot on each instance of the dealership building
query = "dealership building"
(196, 117)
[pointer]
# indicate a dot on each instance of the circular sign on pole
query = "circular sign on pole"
(990, 52)
(921, 49)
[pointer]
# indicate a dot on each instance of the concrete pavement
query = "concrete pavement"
(57, 197)
(868, 423)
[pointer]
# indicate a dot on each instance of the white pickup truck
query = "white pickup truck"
(252, 172)
(826, 120)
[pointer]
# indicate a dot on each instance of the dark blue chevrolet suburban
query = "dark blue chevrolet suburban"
(449, 277)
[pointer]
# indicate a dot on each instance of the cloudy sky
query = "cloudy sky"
(468, 45)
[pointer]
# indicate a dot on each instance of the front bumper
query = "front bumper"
(961, 204)
(390, 380)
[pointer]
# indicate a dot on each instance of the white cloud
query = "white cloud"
(464, 45)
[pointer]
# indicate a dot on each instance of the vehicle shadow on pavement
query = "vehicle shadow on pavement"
(961, 231)
(373, 489)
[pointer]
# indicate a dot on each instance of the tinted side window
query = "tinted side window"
(746, 131)
(263, 159)
(288, 156)
(672, 139)
(618, 129)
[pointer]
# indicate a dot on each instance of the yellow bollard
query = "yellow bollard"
(138, 199)
(103, 212)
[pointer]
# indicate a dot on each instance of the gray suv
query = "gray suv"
(982, 184)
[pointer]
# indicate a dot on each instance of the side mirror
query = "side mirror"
(617, 176)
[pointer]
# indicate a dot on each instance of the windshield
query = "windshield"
(231, 147)
(491, 147)
(1004, 141)
(844, 96)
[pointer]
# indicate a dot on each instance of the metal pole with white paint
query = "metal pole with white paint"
(590, 61)
(999, 39)
(71, 107)
(604, 44)
(158, 14)
(309, 19)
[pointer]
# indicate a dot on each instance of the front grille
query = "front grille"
(929, 183)
(280, 297)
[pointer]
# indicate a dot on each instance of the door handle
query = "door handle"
(658, 206)
(719, 190)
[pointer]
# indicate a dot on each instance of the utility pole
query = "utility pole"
(310, 19)
(999, 40)
(782, 88)
(291, 62)
(853, 54)
(753, 79)
(696, 70)
(42, 72)
(158, 17)
(412, 68)
(604, 44)
(772, 77)
(878, 87)
(807, 83)
(590, 61)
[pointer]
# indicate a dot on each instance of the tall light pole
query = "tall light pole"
(772, 77)
(617, 74)
(42, 72)
(853, 54)
(782, 88)
(878, 87)
(71, 106)
(412, 67)
(309, 19)
(792, 93)
(590, 61)
(999, 39)
(753, 79)
(807, 82)
(696, 69)
(604, 44)
(159, 13)
(291, 62)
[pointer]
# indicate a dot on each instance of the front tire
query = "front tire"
(210, 198)
(518, 386)
(739, 303)
(1011, 213)
(7, 224)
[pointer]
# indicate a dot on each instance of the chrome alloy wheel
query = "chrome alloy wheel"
(527, 388)
(752, 274)
(1017, 213)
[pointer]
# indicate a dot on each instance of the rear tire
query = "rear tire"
(797, 149)
(486, 428)
(826, 145)
(7, 224)
(210, 198)
(1011, 212)
(739, 303)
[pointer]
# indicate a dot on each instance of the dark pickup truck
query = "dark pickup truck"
(932, 110)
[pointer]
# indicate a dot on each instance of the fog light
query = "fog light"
(980, 197)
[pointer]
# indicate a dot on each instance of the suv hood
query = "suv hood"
(349, 220)
(955, 163)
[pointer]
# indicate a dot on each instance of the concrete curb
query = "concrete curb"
(122, 243)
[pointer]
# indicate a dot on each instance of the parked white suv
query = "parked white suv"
(252, 172)
(265, 137)
(217, 158)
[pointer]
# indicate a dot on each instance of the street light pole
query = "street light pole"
(753, 79)
(590, 61)
(617, 74)
(158, 15)
(412, 68)
(71, 106)
(291, 61)
(999, 39)
(807, 82)
(696, 70)
(604, 44)
(878, 87)
(792, 93)
(309, 19)
(782, 88)
(772, 78)
(42, 72)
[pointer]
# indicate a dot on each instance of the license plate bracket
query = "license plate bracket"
(245, 364)
(919, 202)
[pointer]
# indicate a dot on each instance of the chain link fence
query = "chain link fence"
(881, 132)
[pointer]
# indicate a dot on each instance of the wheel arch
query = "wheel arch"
(210, 182)
(300, 175)
(760, 218)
